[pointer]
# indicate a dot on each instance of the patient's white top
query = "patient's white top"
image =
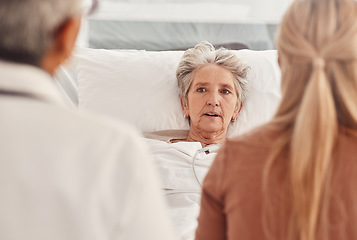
(174, 162)
(69, 175)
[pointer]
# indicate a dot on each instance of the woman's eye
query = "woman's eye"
(225, 91)
(201, 90)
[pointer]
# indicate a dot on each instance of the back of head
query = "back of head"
(317, 47)
(320, 35)
(28, 27)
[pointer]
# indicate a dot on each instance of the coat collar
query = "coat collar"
(29, 81)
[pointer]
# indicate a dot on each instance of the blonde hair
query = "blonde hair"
(317, 46)
(204, 53)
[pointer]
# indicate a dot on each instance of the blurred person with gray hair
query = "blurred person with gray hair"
(64, 174)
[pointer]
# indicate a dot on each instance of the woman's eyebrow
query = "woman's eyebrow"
(204, 84)
(224, 85)
(201, 84)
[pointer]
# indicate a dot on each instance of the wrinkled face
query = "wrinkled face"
(212, 99)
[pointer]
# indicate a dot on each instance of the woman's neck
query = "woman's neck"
(206, 138)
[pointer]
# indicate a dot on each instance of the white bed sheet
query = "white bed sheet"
(174, 162)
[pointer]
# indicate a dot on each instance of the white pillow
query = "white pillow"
(263, 96)
(140, 87)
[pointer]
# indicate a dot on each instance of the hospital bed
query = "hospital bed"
(139, 87)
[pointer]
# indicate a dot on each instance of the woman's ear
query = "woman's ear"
(184, 108)
(62, 45)
(279, 61)
(237, 111)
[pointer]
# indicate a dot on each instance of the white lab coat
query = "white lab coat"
(69, 175)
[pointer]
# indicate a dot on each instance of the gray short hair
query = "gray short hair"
(27, 27)
(204, 53)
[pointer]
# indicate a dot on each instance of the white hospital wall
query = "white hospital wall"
(175, 24)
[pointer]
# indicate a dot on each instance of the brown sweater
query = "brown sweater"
(232, 199)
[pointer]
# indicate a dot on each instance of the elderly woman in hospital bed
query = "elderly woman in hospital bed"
(108, 78)
(212, 88)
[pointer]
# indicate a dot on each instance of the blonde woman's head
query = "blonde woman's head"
(317, 47)
(320, 34)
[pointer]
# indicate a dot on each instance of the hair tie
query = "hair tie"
(319, 62)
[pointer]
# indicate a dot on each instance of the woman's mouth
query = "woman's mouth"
(211, 114)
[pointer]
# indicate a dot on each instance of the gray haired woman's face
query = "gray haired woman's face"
(212, 100)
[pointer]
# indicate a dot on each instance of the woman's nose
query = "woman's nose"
(213, 99)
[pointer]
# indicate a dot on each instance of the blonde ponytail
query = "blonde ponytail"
(317, 45)
(312, 141)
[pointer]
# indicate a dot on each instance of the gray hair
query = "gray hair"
(27, 27)
(204, 53)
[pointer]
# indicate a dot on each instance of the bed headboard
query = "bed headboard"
(140, 87)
